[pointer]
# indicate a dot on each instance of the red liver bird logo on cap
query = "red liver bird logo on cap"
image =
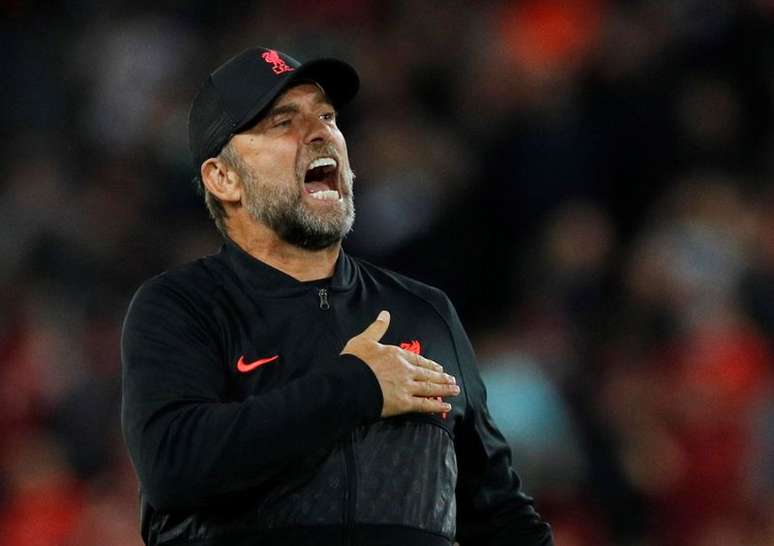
(278, 66)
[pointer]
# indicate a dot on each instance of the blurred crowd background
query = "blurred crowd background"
(590, 181)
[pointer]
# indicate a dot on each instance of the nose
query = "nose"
(316, 130)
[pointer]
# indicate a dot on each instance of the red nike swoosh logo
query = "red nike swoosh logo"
(245, 367)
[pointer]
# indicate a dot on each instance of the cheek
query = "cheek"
(279, 165)
(341, 144)
(338, 137)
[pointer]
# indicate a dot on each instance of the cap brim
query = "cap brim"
(337, 78)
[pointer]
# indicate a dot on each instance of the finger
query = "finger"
(421, 361)
(423, 374)
(424, 388)
(430, 405)
(377, 328)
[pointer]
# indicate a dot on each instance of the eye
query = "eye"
(282, 122)
(328, 116)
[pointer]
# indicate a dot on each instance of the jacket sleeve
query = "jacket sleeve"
(492, 509)
(190, 446)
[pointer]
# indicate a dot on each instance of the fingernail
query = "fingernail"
(383, 315)
(450, 378)
(455, 389)
(447, 407)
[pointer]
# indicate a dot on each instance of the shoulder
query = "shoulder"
(388, 279)
(172, 312)
(188, 286)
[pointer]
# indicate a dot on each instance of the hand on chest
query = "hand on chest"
(281, 346)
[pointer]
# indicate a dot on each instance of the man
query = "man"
(283, 392)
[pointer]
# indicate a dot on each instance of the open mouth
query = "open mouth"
(321, 179)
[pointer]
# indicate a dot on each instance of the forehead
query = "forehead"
(302, 92)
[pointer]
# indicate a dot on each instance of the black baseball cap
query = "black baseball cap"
(238, 92)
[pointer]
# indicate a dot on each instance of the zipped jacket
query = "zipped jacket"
(246, 426)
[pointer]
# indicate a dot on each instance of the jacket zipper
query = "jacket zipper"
(350, 471)
(351, 474)
(323, 293)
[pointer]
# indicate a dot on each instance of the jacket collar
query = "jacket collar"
(264, 278)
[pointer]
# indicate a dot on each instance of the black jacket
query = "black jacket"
(246, 427)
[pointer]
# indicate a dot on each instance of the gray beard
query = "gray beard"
(282, 209)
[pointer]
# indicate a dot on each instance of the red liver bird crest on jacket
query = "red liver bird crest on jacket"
(414, 346)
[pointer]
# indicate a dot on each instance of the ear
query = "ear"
(221, 181)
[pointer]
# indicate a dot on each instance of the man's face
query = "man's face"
(295, 170)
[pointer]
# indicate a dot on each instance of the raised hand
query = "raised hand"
(409, 382)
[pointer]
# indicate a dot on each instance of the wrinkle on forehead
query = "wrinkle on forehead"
(322, 96)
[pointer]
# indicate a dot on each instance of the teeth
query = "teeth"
(322, 162)
(326, 195)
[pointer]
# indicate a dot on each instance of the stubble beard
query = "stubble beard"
(282, 209)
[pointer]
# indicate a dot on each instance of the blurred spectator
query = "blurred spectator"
(591, 181)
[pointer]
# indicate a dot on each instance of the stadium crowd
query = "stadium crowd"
(590, 182)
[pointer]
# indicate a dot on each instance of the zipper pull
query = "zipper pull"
(323, 293)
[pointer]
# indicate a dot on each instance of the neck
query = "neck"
(301, 264)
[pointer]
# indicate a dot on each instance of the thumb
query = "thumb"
(377, 328)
